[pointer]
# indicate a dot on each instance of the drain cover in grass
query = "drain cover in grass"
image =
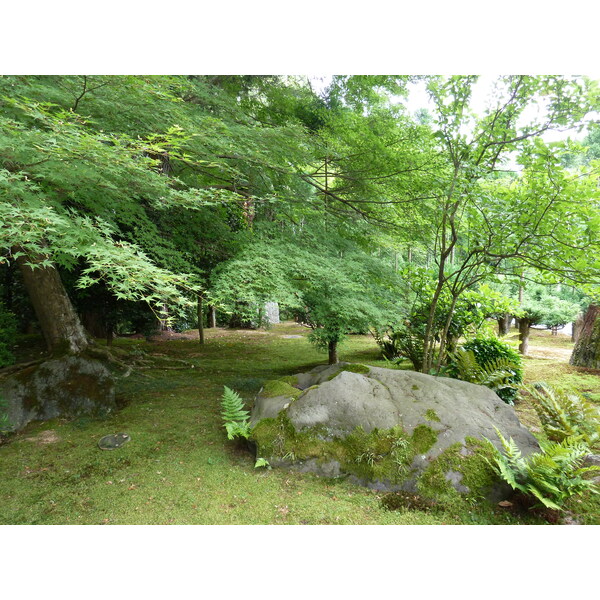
(113, 441)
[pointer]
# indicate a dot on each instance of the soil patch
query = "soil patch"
(44, 437)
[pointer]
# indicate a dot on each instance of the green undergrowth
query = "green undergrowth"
(179, 467)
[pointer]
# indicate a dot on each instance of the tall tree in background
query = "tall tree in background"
(481, 220)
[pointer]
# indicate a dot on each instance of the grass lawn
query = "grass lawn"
(179, 468)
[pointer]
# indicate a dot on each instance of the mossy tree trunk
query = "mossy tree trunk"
(524, 324)
(576, 329)
(504, 324)
(61, 327)
(586, 352)
(73, 382)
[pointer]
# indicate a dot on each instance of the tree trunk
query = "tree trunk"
(72, 382)
(504, 324)
(333, 357)
(524, 335)
(576, 329)
(200, 313)
(164, 323)
(58, 320)
(587, 349)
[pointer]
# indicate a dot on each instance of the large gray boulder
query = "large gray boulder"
(431, 417)
(70, 386)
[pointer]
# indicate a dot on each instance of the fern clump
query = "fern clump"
(566, 413)
(491, 362)
(497, 374)
(552, 475)
(234, 415)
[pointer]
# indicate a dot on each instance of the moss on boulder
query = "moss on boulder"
(279, 387)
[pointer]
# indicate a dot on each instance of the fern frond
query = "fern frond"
(234, 415)
(233, 407)
(237, 430)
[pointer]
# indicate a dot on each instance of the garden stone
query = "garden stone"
(70, 386)
(437, 416)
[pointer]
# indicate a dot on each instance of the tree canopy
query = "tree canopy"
(246, 189)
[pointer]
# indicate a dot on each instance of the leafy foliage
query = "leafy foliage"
(331, 294)
(234, 415)
(566, 413)
(552, 476)
(542, 305)
(454, 318)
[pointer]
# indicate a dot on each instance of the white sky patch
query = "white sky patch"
(480, 100)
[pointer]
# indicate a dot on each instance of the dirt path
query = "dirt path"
(562, 354)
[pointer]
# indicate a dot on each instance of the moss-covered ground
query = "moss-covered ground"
(179, 467)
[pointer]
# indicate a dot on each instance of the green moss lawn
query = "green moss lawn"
(179, 468)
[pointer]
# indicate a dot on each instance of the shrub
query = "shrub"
(402, 341)
(490, 351)
(552, 475)
(496, 374)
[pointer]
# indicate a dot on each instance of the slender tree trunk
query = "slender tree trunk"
(524, 335)
(333, 357)
(212, 317)
(200, 314)
(586, 352)
(58, 320)
(164, 323)
(521, 288)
